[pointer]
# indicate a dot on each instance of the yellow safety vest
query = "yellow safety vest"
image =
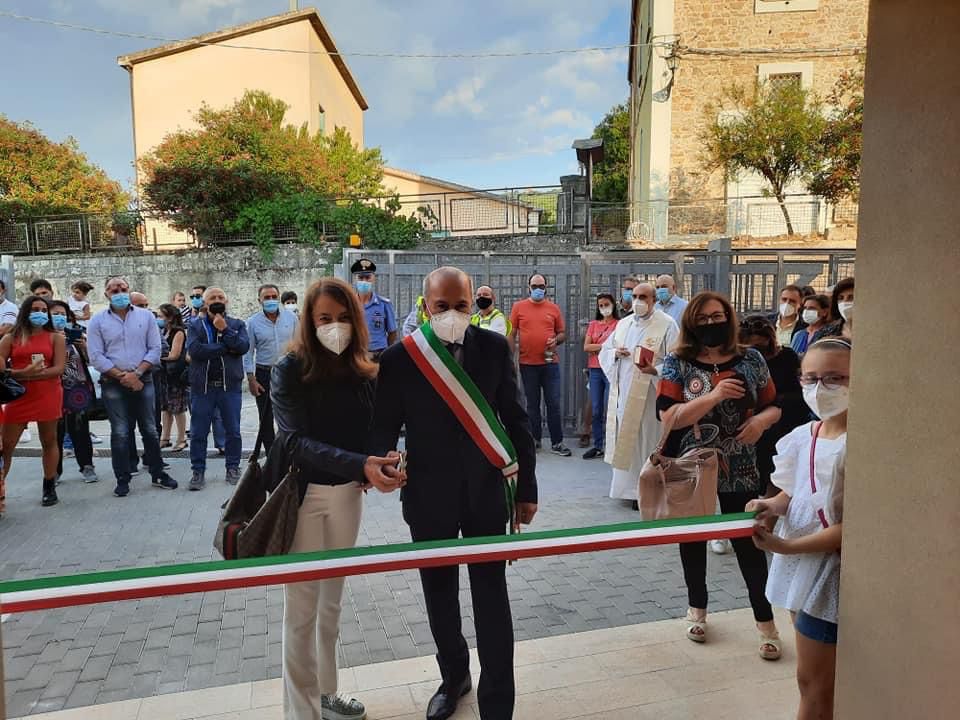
(484, 322)
(421, 314)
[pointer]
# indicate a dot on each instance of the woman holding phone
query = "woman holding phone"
(36, 356)
(78, 394)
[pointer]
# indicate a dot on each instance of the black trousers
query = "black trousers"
(491, 614)
(265, 408)
(78, 426)
(752, 561)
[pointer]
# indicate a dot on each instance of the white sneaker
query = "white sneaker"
(341, 707)
(720, 547)
(26, 436)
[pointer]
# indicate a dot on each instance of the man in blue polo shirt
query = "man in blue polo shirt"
(381, 320)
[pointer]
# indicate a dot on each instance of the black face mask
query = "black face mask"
(713, 335)
(484, 302)
(217, 309)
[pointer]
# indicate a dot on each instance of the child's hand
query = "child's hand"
(766, 540)
(763, 508)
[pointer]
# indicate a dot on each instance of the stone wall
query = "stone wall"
(734, 24)
(238, 270)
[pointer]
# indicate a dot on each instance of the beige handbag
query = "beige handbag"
(678, 487)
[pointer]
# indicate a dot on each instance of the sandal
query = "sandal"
(180, 447)
(770, 647)
(165, 444)
(696, 629)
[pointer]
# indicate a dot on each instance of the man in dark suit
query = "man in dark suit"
(453, 489)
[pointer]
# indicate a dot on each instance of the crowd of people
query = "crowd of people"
(769, 393)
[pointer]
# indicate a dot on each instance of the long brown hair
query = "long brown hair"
(688, 347)
(317, 362)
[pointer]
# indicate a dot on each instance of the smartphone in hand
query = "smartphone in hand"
(38, 358)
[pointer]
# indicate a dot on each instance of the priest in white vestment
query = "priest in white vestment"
(632, 426)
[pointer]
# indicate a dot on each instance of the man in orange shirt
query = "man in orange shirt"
(538, 329)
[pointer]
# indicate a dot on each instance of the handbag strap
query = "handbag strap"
(668, 426)
(813, 472)
(255, 455)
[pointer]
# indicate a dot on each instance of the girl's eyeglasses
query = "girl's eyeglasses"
(830, 382)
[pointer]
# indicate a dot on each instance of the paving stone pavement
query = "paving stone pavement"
(96, 654)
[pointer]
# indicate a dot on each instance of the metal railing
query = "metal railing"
(739, 218)
(466, 213)
(73, 233)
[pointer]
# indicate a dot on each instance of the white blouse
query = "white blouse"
(810, 581)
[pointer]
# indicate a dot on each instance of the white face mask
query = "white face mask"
(846, 310)
(810, 316)
(292, 307)
(335, 337)
(787, 310)
(640, 308)
(450, 325)
(826, 403)
(606, 310)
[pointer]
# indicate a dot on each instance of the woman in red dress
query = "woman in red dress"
(36, 356)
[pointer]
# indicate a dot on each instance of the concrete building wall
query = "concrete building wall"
(900, 583)
(328, 90)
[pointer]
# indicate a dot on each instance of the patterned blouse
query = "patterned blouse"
(682, 381)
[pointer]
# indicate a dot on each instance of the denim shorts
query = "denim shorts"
(815, 628)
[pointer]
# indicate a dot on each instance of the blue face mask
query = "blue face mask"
(39, 318)
(663, 295)
(59, 321)
(627, 295)
(120, 301)
(161, 322)
(196, 303)
(364, 286)
(538, 294)
(271, 306)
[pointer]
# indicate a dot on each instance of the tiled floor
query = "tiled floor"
(637, 672)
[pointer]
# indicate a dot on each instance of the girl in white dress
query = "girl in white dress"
(804, 575)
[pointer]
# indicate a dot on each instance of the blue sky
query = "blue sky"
(483, 122)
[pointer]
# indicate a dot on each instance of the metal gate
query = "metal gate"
(751, 278)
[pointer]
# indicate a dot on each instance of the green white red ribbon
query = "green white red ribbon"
(133, 583)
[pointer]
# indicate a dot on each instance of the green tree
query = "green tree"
(610, 176)
(42, 177)
(772, 129)
(200, 179)
(837, 175)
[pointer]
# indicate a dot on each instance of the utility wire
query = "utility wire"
(745, 52)
(417, 56)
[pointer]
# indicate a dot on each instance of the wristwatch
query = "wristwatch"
(139, 373)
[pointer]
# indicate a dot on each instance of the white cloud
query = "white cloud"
(462, 97)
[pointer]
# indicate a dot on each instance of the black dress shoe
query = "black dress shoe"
(443, 704)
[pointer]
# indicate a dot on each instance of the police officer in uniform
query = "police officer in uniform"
(381, 320)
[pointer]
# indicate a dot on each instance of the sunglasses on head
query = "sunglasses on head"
(758, 324)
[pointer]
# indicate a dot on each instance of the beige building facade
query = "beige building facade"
(458, 210)
(712, 45)
(168, 84)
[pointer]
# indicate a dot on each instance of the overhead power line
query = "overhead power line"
(683, 50)
(358, 54)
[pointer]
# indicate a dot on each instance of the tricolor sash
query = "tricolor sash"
(468, 404)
